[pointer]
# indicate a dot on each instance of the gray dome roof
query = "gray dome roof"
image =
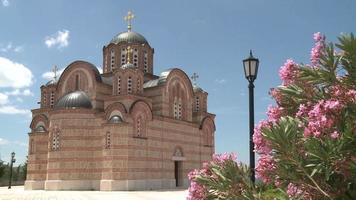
(129, 37)
(40, 128)
(128, 65)
(115, 119)
(51, 82)
(197, 88)
(77, 99)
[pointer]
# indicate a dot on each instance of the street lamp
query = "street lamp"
(251, 69)
(11, 162)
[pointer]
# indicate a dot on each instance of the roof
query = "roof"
(129, 37)
(162, 78)
(77, 99)
(51, 82)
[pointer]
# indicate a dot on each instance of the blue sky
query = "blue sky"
(208, 37)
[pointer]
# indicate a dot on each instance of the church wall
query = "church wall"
(37, 161)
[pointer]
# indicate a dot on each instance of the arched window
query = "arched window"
(197, 104)
(55, 140)
(138, 85)
(129, 85)
(135, 57)
(108, 140)
(44, 96)
(180, 109)
(112, 54)
(175, 109)
(140, 126)
(145, 62)
(119, 85)
(123, 57)
(52, 99)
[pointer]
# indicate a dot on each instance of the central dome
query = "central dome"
(129, 37)
(77, 99)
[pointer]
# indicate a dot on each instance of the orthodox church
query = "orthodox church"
(123, 129)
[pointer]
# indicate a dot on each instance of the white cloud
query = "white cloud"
(220, 81)
(4, 99)
(13, 110)
(9, 47)
(60, 39)
(17, 92)
(19, 99)
(50, 75)
(13, 74)
(16, 142)
(3, 141)
(5, 3)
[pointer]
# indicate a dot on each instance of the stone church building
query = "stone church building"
(123, 129)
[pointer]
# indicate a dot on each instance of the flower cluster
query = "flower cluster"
(288, 72)
(198, 191)
(317, 50)
(322, 118)
(261, 145)
(265, 167)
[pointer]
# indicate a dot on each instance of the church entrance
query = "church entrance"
(178, 173)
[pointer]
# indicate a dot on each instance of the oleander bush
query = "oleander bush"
(307, 144)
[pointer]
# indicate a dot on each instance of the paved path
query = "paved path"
(18, 193)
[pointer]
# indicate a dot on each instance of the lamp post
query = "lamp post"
(251, 68)
(11, 163)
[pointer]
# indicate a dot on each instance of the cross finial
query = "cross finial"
(195, 78)
(55, 70)
(128, 18)
(128, 54)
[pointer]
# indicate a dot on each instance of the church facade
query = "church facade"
(122, 129)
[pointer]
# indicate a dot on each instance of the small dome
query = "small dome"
(115, 119)
(40, 128)
(129, 37)
(77, 99)
(128, 65)
(51, 82)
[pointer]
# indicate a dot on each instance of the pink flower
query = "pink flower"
(221, 158)
(302, 111)
(274, 113)
(322, 117)
(261, 145)
(288, 72)
(276, 94)
(317, 50)
(265, 168)
(293, 191)
(335, 135)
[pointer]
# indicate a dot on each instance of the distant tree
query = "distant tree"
(24, 170)
(2, 168)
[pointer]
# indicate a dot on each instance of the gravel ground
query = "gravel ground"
(18, 193)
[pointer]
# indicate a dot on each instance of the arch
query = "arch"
(207, 121)
(39, 120)
(208, 128)
(139, 106)
(90, 71)
(178, 151)
(181, 76)
(115, 108)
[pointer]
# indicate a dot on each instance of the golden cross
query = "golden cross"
(129, 18)
(55, 70)
(128, 54)
(195, 78)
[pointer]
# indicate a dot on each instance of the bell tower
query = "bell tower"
(115, 53)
